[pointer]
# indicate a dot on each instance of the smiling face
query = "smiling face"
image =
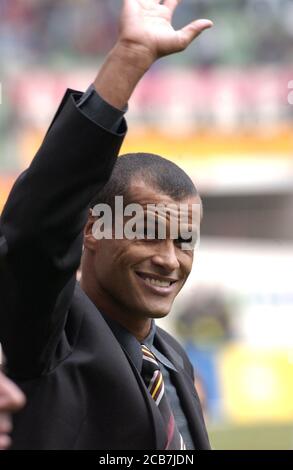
(139, 278)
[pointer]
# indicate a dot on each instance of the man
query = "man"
(11, 400)
(82, 354)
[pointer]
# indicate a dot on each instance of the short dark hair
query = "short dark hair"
(156, 171)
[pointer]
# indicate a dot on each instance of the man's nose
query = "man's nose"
(166, 256)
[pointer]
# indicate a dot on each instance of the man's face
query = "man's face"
(142, 277)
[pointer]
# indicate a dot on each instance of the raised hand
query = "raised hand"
(146, 24)
(145, 35)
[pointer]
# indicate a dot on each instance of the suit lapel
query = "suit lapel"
(187, 395)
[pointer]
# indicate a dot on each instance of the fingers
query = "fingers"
(5, 423)
(11, 397)
(144, 3)
(171, 4)
(192, 31)
(5, 429)
(5, 441)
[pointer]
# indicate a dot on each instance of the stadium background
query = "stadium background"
(222, 111)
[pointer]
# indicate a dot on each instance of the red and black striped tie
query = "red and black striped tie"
(153, 379)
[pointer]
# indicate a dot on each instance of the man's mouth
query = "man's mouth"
(156, 281)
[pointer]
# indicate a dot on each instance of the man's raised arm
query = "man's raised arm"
(145, 35)
(42, 223)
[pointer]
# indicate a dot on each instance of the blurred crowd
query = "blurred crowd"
(47, 45)
(32, 30)
(256, 31)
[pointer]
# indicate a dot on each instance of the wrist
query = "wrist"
(135, 56)
(124, 66)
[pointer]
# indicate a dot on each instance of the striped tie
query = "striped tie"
(153, 379)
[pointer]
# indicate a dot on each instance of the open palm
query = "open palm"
(147, 24)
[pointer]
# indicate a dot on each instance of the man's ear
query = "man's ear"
(89, 241)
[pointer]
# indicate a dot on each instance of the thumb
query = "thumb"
(193, 30)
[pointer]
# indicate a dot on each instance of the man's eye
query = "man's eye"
(147, 234)
(151, 233)
(187, 244)
(183, 240)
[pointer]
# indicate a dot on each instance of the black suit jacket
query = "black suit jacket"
(83, 390)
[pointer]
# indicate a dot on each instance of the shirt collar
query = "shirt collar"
(128, 342)
(149, 340)
(133, 347)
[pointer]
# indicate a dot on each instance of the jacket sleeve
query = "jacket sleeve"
(41, 234)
